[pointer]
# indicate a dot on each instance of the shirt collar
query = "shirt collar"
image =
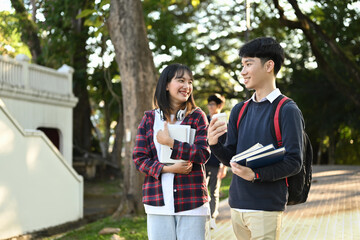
(270, 97)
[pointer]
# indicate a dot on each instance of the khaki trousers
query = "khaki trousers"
(264, 225)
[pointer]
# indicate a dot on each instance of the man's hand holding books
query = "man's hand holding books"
(259, 156)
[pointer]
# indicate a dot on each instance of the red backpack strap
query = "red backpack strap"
(277, 120)
(242, 110)
(275, 117)
(277, 123)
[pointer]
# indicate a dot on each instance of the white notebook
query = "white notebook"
(182, 133)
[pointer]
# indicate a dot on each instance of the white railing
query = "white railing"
(21, 74)
(10, 72)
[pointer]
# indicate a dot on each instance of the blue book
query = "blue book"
(265, 159)
(240, 158)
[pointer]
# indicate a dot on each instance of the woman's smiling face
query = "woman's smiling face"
(180, 89)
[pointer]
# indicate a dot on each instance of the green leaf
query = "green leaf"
(88, 23)
(104, 2)
(85, 13)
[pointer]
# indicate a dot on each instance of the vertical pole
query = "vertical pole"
(247, 18)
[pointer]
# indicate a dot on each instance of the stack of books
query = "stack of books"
(259, 156)
(182, 133)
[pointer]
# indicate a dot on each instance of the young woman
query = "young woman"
(174, 196)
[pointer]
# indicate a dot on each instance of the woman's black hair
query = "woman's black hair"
(265, 48)
(162, 97)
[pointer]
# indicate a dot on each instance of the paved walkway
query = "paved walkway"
(331, 212)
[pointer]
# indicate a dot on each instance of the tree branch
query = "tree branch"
(348, 63)
(307, 25)
(29, 31)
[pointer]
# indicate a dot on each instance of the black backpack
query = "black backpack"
(299, 184)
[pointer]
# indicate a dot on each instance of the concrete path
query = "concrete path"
(331, 212)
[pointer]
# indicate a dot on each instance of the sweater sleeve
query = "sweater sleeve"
(198, 152)
(292, 126)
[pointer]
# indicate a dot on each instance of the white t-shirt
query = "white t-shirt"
(167, 182)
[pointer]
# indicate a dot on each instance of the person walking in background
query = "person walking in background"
(257, 197)
(175, 196)
(215, 171)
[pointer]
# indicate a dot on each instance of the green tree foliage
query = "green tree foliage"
(202, 34)
(10, 37)
(168, 24)
(323, 76)
(28, 29)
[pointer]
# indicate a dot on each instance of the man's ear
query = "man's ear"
(269, 65)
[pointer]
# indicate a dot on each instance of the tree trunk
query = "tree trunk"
(119, 129)
(118, 143)
(319, 154)
(138, 79)
(332, 150)
(82, 111)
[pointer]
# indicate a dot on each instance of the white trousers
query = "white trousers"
(177, 227)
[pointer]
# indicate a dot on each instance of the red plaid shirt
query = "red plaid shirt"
(190, 191)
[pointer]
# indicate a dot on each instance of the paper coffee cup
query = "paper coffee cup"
(222, 117)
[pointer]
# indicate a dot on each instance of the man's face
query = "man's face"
(254, 72)
(213, 107)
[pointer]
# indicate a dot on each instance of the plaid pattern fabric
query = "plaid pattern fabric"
(190, 190)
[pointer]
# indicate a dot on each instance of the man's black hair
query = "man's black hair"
(216, 98)
(265, 48)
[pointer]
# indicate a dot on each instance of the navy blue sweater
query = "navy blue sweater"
(270, 194)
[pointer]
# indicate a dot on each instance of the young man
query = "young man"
(215, 171)
(257, 197)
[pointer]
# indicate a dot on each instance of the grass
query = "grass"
(102, 187)
(225, 184)
(130, 229)
(133, 228)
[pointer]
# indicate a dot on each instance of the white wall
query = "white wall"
(38, 187)
(38, 96)
(32, 115)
